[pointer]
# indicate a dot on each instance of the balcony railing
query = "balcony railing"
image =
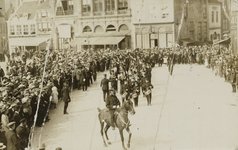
(64, 12)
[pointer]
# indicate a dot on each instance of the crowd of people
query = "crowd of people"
(68, 70)
(220, 60)
(65, 70)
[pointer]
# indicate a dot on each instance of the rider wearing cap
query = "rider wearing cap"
(112, 102)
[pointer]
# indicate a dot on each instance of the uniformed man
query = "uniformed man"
(104, 85)
(112, 102)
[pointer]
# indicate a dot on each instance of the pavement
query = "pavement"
(192, 110)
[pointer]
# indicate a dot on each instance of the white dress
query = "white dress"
(54, 95)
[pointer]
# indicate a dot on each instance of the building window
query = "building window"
(87, 29)
(49, 26)
(33, 29)
(25, 29)
(122, 4)
(48, 14)
(205, 29)
(86, 5)
(19, 30)
(39, 15)
(71, 5)
(110, 28)
(0, 28)
(40, 27)
(217, 16)
(43, 14)
(12, 30)
(98, 5)
(212, 16)
(44, 27)
(110, 5)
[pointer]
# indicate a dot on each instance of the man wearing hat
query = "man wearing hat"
(12, 139)
(136, 93)
(2, 74)
(112, 102)
(104, 85)
(22, 132)
(233, 80)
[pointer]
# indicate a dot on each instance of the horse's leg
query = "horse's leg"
(122, 138)
(105, 130)
(102, 126)
(129, 140)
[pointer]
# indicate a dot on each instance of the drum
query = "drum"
(134, 95)
(148, 92)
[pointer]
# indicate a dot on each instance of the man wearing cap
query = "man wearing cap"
(65, 97)
(104, 85)
(12, 139)
(112, 102)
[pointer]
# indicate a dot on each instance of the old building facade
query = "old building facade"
(3, 32)
(103, 24)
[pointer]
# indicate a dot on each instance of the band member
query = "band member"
(148, 87)
(66, 97)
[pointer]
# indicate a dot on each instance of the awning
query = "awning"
(27, 41)
(97, 41)
(226, 41)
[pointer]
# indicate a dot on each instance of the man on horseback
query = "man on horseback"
(112, 102)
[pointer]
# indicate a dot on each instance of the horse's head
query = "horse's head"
(128, 106)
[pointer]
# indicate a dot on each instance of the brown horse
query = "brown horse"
(122, 121)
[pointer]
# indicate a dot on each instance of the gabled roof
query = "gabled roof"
(44, 5)
(29, 8)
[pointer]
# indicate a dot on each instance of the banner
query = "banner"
(64, 31)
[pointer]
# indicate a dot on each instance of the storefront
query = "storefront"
(28, 43)
(102, 41)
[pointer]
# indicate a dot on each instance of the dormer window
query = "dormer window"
(25, 16)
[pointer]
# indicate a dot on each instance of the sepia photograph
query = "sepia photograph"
(118, 75)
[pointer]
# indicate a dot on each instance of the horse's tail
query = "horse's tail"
(99, 110)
